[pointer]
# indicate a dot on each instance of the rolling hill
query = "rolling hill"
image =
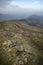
(20, 44)
(34, 20)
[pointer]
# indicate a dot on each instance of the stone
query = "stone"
(28, 50)
(21, 62)
(13, 43)
(5, 43)
(19, 48)
(25, 60)
(23, 55)
(9, 42)
(9, 50)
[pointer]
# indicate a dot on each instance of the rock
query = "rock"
(31, 57)
(23, 55)
(13, 43)
(9, 42)
(33, 33)
(19, 43)
(25, 60)
(14, 64)
(19, 48)
(16, 61)
(40, 34)
(28, 50)
(21, 62)
(5, 43)
(9, 50)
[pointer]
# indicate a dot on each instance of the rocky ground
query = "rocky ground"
(20, 44)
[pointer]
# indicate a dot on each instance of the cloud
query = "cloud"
(4, 2)
(20, 3)
(21, 6)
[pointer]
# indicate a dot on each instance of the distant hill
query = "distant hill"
(34, 20)
(12, 16)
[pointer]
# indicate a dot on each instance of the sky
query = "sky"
(20, 6)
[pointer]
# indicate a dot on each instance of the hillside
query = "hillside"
(34, 20)
(20, 44)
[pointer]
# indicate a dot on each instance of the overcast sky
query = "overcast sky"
(21, 6)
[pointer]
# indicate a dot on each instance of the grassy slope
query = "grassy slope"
(28, 35)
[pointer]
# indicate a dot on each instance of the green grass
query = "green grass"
(20, 33)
